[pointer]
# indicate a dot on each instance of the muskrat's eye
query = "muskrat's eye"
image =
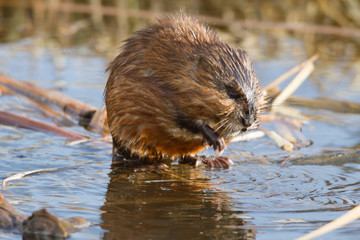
(235, 93)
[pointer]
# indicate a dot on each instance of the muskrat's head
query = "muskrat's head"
(229, 73)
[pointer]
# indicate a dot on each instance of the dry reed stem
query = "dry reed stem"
(294, 84)
(343, 220)
(283, 130)
(283, 77)
(335, 105)
(290, 112)
(279, 140)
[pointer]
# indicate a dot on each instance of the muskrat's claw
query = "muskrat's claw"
(210, 161)
(218, 162)
(213, 139)
(220, 146)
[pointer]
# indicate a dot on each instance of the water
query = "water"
(255, 199)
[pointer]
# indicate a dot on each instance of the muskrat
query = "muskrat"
(175, 88)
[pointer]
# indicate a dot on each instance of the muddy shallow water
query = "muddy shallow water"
(256, 198)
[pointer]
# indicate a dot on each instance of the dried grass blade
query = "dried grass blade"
(18, 176)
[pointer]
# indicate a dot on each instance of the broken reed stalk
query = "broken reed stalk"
(98, 122)
(69, 105)
(281, 142)
(343, 220)
(11, 119)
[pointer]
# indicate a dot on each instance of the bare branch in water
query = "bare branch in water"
(46, 96)
(11, 119)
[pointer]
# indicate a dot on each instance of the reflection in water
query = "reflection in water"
(175, 204)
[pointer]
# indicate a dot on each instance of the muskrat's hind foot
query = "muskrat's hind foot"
(217, 161)
(121, 161)
(191, 160)
(210, 161)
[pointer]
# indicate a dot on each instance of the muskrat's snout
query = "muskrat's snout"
(246, 123)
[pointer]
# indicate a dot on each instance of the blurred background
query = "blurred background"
(102, 24)
(268, 30)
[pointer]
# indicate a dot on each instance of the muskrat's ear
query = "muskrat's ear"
(197, 59)
(198, 63)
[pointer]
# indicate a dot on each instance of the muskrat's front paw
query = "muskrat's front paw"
(218, 161)
(213, 139)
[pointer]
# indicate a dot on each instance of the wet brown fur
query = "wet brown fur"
(173, 73)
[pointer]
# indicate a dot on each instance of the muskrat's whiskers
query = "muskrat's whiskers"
(255, 125)
(222, 123)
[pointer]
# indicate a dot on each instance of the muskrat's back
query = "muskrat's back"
(175, 88)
